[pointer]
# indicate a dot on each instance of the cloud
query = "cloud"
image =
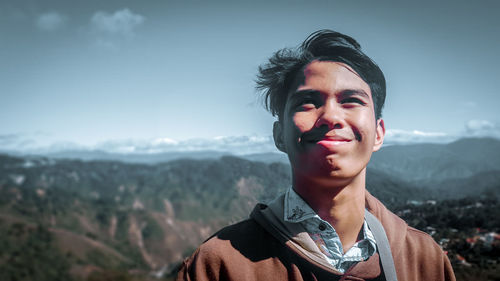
(16, 142)
(473, 128)
(238, 145)
(122, 22)
(9, 139)
(164, 141)
(415, 136)
(482, 128)
(50, 21)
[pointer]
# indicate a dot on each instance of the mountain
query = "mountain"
(271, 157)
(143, 158)
(484, 183)
(412, 162)
(154, 158)
(393, 191)
(105, 214)
(102, 217)
(108, 214)
(436, 162)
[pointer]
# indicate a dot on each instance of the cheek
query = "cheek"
(304, 121)
(364, 124)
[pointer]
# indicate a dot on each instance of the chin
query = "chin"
(327, 170)
(338, 172)
(334, 180)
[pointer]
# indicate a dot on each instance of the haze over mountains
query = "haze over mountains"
(414, 162)
(458, 159)
(463, 167)
(40, 144)
(466, 166)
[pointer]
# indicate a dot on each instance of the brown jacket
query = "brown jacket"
(261, 249)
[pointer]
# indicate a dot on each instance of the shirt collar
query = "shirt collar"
(296, 209)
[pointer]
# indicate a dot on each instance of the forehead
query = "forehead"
(329, 77)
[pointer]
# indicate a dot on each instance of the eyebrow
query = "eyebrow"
(343, 93)
(354, 92)
(306, 92)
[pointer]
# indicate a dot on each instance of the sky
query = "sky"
(100, 73)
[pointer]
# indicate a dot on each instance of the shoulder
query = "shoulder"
(215, 254)
(401, 237)
(416, 255)
(423, 258)
(231, 253)
(420, 240)
(247, 232)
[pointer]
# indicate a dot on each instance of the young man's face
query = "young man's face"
(328, 128)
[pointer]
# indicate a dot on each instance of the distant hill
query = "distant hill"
(484, 183)
(394, 191)
(152, 158)
(437, 162)
(413, 162)
(272, 157)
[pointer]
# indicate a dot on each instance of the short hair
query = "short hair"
(277, 76)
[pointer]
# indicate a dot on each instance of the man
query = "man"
(328, 96)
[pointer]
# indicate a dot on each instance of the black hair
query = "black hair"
(277, 76)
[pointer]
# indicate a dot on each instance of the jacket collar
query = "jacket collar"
(271, 218)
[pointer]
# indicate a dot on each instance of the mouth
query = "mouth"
(335, 138)
(328, 140)
(333, 141)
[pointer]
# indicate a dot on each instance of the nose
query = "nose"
(331, 116)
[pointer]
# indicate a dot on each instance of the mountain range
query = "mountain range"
(93, 214)
(411, 162)
(459, 159)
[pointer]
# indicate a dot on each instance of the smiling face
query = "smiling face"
(328, 128)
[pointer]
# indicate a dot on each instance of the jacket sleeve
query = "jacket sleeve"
(201, 266)
(183, 274)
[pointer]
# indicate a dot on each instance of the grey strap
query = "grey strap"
(383, 246)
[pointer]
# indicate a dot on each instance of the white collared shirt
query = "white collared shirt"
(324, 235)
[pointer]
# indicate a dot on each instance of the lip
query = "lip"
(329, 140)
(326, 142)
(333, 141)
(336, 138)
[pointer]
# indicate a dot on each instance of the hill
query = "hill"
(436, 162)
(130, 220)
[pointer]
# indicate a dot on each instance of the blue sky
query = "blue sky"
(94, 72)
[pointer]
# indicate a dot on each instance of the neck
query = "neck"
(340, 204)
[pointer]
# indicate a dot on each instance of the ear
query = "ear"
(379, 136)
(278, 136)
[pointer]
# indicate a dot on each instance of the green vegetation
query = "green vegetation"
(28, 253)
(466, 228)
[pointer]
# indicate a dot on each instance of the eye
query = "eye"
(353, 100)
(306, 104)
